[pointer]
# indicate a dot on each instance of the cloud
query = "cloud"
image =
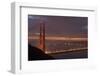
(33, 17)
(36, 17)
(85, 27)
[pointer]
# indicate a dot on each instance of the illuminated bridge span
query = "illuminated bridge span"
(69, 50)
(58, 38)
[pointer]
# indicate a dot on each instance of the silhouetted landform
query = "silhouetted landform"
(35, 53)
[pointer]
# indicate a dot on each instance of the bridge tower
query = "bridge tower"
(42, 35)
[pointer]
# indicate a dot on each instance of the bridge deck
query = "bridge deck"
(69, 50)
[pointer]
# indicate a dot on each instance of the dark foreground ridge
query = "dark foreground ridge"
(35, 53)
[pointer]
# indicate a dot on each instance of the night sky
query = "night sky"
(58, 25)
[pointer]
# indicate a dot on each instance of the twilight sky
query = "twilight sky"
(58, 25)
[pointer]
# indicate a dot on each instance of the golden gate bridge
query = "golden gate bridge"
(42, 38)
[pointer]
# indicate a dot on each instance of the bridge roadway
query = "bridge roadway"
(71, 54)
(69, 50)
(59, 38)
